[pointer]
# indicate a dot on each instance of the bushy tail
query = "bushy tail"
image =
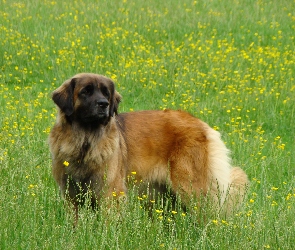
(227, 184)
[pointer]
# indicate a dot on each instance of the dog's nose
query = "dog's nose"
(103, 103)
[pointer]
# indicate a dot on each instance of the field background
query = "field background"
(230, 63)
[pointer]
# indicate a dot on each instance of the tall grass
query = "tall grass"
(230, 63)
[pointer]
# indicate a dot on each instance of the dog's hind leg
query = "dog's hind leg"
(188, 170)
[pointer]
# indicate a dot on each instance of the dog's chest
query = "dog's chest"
(88, 154)
(83, 151)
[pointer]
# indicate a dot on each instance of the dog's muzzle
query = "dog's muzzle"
(102, 106)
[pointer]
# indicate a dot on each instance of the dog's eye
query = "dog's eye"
(105, 92)
(88, 90)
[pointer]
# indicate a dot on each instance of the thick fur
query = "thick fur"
(163, 147)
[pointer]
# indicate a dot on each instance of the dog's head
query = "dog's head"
(87, 98)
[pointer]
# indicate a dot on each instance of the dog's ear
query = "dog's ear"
(64, 96)
(115, 103)
(115, 99)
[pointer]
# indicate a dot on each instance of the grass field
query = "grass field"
(231, 63)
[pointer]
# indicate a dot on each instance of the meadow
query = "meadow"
(231, 63)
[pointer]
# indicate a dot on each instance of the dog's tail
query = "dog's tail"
(227, 185)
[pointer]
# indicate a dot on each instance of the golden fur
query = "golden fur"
(163, 147)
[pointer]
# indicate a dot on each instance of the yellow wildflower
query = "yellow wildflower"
(66, 164)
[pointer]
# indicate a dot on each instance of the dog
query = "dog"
(94, 149)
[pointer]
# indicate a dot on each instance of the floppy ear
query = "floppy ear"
(64, 96)
(115, 104)
(115, 100)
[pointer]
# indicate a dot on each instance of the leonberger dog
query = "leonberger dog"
(94, 148)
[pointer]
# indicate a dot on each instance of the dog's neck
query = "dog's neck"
(88, 127)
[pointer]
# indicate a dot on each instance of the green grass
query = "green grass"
(230, 63)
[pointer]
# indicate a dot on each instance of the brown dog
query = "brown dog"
(94, 149)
